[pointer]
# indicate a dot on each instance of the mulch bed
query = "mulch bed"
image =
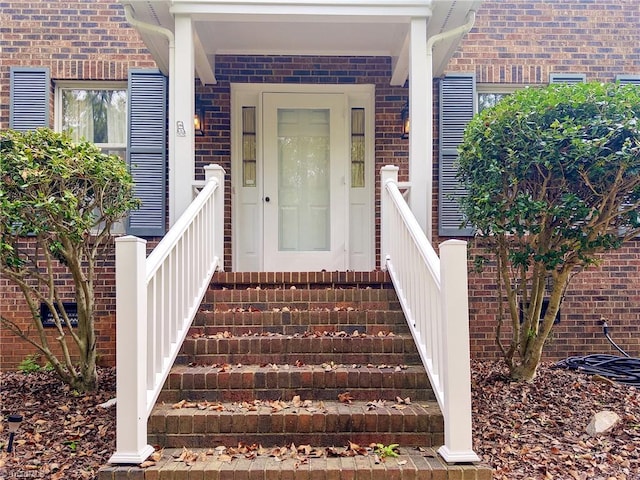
(532, 431)
(537, 431)
(63, 435)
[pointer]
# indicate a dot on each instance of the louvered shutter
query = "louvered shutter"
(29, 94)
(146, 150)
(567, 78)
(457, 107)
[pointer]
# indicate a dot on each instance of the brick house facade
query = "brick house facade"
(524, 43)
(511, 45)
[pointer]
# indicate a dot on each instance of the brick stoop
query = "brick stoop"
(265, 362)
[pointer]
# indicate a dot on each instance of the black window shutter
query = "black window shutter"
(29, 104)
(146, 151)
(457, 107)
(567, 78)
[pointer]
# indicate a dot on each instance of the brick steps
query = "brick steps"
(268, 361)
(310, 382)
(321, 423)
(411, 464)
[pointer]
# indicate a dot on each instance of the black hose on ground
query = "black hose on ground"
(624, 370)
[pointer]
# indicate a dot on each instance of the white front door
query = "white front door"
(305, 204)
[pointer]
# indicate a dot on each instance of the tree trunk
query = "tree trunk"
(526, 370)
(88, 379)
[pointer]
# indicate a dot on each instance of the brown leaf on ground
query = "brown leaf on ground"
(537, 430)
(64, 435)
(345, 397)
(524, 432)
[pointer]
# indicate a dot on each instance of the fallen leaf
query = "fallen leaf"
(345, 397)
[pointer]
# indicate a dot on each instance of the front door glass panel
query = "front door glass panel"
(304, 200)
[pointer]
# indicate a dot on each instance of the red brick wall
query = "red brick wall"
(522, 42)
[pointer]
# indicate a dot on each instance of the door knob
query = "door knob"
(267, 199)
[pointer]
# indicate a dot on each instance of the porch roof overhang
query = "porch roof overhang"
(302, 27)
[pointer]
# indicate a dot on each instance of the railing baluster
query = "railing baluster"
(152, 345)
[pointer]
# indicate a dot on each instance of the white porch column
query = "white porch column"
(182, 168)
(421, 135)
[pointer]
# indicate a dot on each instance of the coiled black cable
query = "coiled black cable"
(624, 370)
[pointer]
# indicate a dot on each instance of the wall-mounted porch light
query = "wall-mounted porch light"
(404, 118)
(198, 120)
(14, 423)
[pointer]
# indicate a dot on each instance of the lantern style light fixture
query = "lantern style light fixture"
(198, 120)
(14, 423)
(404, 118)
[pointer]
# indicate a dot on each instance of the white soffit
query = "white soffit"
(303, 27)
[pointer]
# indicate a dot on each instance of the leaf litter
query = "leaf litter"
(524, 432)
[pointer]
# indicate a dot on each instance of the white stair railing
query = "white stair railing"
(434, 297)
(156, 300)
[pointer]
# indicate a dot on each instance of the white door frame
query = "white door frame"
(247, 202)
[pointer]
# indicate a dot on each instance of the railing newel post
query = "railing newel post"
(387, 173)
(458, 446)
(131, 352)
(217, 172)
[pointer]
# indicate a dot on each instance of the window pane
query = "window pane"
(357, 147)
(99, 116)
(249, 146)
(487, 100)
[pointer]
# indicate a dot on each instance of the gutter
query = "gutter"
(461, 30)
(128, 13)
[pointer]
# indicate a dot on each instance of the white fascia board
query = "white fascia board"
(317, 8)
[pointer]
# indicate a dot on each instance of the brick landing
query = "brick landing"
(409, 465)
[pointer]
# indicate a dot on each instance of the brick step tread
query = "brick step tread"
(285, 380)
(226, 342)
(298, 330)
(278, 417)
(249, 394)
(372, 279)
(411, 464)
(389, 320)
(322, 423)
(198, 440)
(356, 358)
(329, 296)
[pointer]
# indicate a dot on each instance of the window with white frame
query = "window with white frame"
(94, 111)
(491, 93)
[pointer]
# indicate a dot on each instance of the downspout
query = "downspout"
(128, 12)
(461, 30)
